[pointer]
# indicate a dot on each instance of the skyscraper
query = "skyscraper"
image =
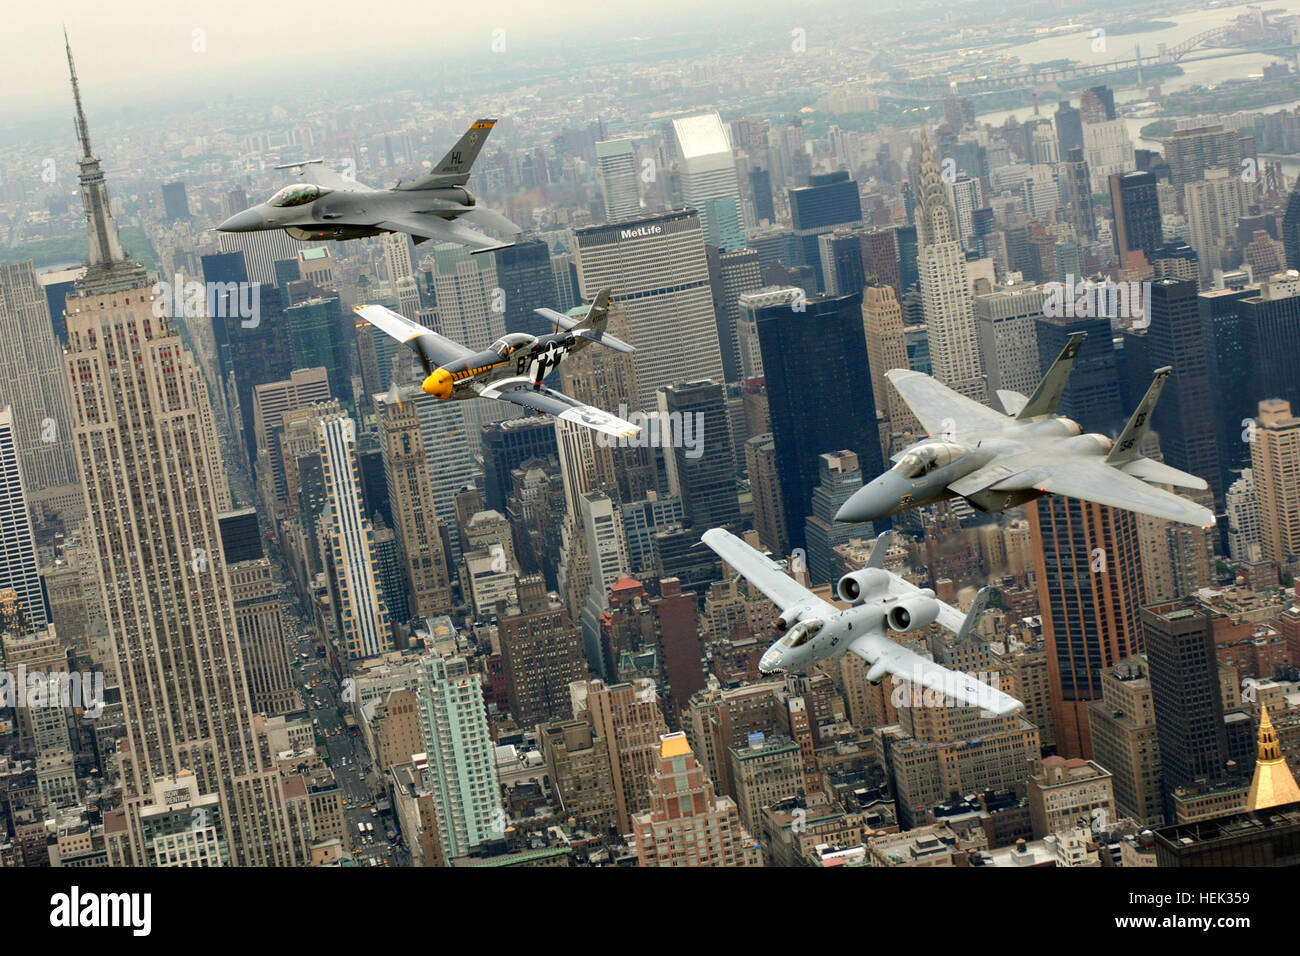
(154, 484)
(541, 650)
(1089, 593)
(1275, 470)
(839, 477)
(1190, 152)
(18, 567)
(628, 717)
(267, 408)
(33, 385)
(659, 273)
(1008, 337)
(414, 508)
(176, 204)
(1185, 415)
(616, 159)
(316, 338)
(1137, 215)
(732, 274)
(945, 286)
(361, 610)
(527, 282)
(830, 201)
(687, 823)
(701, 464)
(1185, 692)
(1092, 397)
(708, 179)
(790, 328)
(458, 766)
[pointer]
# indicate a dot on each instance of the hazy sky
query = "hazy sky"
(138, 47)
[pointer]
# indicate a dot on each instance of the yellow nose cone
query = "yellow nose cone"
(438, 384)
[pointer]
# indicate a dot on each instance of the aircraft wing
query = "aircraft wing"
(423, 226)
(521, 391)
(323, 175)
(434, 349)
(940, 409)
(1107, 485)
(766, 575)
(887, 657)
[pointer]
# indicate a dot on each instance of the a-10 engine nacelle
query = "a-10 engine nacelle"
(913, 612)
(859, 585)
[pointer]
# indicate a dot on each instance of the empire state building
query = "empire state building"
(154, 484)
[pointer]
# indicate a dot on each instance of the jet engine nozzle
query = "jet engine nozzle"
(912, 613)
(859, 585)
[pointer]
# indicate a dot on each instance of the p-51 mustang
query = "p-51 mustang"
(815, 630)
(512, 369)
(996, 461)
(332, 206)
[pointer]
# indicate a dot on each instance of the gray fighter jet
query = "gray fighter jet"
(332, 206)
(816, 630)
(996, 461)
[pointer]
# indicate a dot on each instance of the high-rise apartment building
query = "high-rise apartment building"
(458, 767)
(1275, 472)
(541, 650)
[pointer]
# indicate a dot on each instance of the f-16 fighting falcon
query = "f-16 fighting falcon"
(333, 206)
(512, 369)
(815, 630)
(996, 461)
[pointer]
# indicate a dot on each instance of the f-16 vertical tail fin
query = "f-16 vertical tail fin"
(1048, 393)
(453, 169)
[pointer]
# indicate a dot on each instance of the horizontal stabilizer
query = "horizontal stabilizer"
(1012, 401)
(1162, 474)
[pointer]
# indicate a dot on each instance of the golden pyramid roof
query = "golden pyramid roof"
(1273, 784)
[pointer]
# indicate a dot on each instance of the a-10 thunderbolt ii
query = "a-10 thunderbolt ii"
(997, 461)
(333, 206)
(880, 601)
(512, 368)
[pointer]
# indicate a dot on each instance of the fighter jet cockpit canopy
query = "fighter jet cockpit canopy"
(299, 194)
(507, 345)
(924, 459)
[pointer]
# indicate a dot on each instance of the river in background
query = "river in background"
(1078, 47)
